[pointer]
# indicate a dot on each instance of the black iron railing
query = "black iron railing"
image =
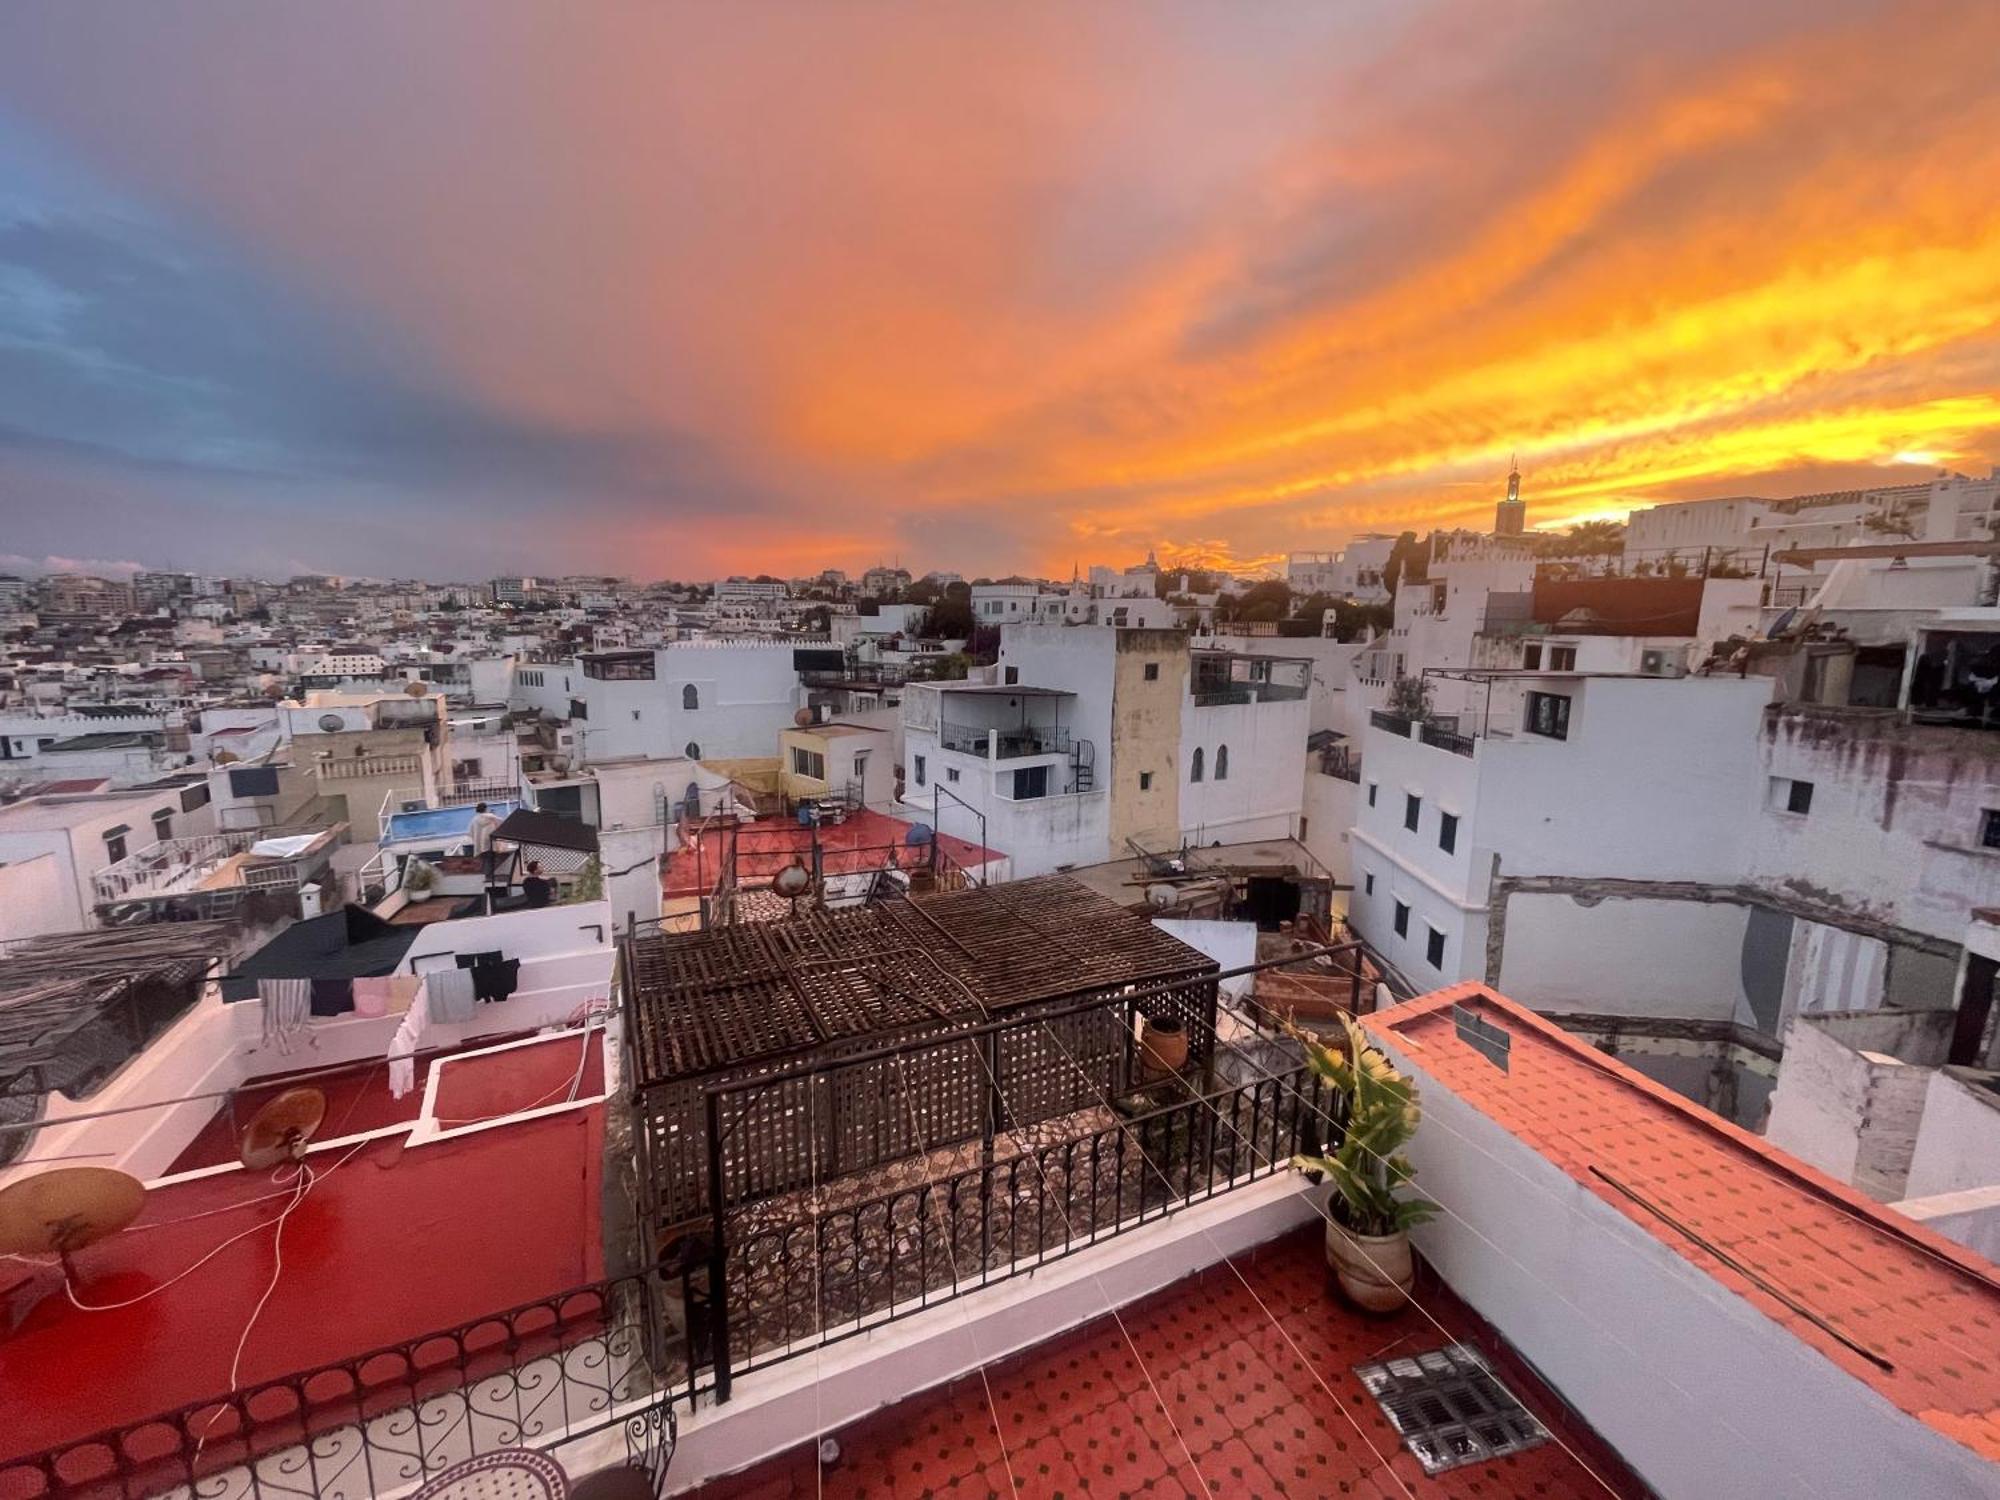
(543, 1375)
(808, 1280)
(1021, 740)
(1445, 739)
(1394, 723)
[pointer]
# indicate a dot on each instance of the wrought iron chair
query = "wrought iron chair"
(650, 1437)
(509, 1474)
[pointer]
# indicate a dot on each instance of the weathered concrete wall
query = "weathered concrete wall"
(1849, 1108)
(1958, 1143)
(1145, 737)
(1893, 829)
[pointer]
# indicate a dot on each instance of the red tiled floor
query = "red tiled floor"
(1257, 1408)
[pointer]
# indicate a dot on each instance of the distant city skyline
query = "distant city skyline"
(449, 291)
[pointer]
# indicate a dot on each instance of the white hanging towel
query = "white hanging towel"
(403, 1047)
(286, 1005)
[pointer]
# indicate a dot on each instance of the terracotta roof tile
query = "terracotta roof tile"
(1809, 1252)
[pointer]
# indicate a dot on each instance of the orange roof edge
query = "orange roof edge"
(1809, 1178)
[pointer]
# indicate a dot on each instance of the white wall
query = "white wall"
(36, 896)
(1646, 958)
(1233, 945)
(1267, 759)
(1970, 1217)
(1326, 812)
(1958, 1142)
(1651, 1351)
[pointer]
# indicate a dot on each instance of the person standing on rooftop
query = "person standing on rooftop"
(481, 828)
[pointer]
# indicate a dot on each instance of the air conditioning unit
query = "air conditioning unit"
(1663, 663)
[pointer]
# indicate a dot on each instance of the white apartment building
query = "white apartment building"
(1004, 603)
(1097, 739)
(52, 848)
(1680, 847)
(694, 699)
(1355, 572)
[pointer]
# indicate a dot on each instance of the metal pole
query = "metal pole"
(718, 1255)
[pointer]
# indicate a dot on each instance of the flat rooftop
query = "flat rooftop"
(1080, 1415)
(393, 1241)
(1926, 1310)
(859, 843)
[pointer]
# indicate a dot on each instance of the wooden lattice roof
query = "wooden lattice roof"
(707, 1002)
(54, 985)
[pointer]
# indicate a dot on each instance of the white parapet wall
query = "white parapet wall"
(1701, 1393)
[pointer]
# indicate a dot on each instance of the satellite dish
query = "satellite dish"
(279, 1131)
(803, 717)
(415, 688)
(1160, 897)
(67, 1208)
(793, 881)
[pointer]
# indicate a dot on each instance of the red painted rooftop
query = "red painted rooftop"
(358, 1099)
(392, 1242)
(765, 846)
(1927, 1305)
(1241, 1384)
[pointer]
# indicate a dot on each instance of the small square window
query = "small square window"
(1531, 656)
(1989, 829)
(1790, 795)
(1145, 781)
(1402, 919)
(1448, 832)
(1371, 794)
(1152, 671)
(1413, 811)
(1434, 949)
(951, 773)
(1562, 658)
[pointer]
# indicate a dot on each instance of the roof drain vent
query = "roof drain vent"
(1450, 1408)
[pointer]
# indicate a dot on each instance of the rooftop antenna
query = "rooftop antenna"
(278, 1132)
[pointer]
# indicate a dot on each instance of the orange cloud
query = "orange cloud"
(995, 289)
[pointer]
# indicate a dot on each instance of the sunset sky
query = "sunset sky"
(464, 286)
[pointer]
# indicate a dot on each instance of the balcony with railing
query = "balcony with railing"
(1004, 744)
(1219, 678)
(245, 860)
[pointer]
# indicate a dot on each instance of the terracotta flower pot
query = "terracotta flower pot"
(1163, 1047)
(1376, 1271)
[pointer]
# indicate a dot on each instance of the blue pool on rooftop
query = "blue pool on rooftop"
(438, 822)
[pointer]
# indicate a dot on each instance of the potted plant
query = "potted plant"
(419, 880)
(1368, 1224)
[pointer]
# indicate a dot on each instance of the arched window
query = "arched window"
(690, 697)
(1221, 762)
(1195, 774)
(693, 750)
